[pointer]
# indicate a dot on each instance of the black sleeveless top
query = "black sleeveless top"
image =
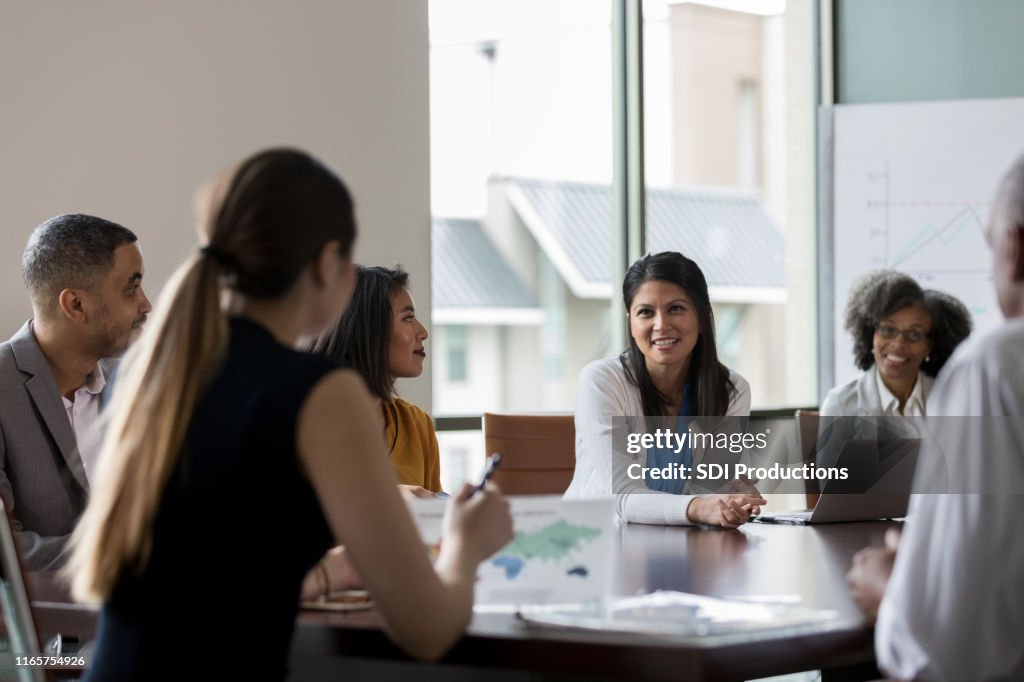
(238, 528)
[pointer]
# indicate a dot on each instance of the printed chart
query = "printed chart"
(561, 552)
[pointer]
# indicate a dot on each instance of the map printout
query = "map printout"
(561, 553)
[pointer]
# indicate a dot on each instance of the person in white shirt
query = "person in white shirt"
(949, 594)
(670, 368)
(902, 336)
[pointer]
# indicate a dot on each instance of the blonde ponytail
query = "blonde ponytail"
(160, 383)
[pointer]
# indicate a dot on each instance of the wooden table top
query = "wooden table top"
(756, 560)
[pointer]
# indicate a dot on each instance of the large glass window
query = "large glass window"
(521, 168)
(728, 109)
(521, 154)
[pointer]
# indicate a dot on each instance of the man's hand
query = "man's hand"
(870, 574)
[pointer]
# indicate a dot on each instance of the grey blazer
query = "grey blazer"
(42, 478)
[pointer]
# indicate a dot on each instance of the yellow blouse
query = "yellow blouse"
(415, 455)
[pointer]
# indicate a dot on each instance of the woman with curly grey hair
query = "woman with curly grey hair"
(902, 336)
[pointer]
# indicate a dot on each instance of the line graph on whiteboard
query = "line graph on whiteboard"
(928, 237)
(913, 185)
(940, 242)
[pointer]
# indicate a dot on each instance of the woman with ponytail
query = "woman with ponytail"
(670, 370)
(233, 462)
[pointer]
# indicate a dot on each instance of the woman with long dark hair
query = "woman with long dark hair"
(670, 369)
(380, 337)
(232, 462)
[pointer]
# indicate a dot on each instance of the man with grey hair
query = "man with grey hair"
(949, 593)
(84, 278)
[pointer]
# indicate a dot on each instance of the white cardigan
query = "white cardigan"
(605, 392)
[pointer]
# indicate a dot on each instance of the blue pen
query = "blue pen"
(492, 466)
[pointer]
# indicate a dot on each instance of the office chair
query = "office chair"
(538, 452)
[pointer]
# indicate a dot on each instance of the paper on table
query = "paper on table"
(706, 621)
(561, 553)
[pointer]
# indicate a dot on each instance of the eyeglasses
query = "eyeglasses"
(887, 331)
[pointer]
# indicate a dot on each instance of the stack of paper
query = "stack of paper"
(703, 620)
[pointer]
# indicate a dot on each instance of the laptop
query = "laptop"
(878, 487)
(21, 638)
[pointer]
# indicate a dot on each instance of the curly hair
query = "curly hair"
(881, 293)
(951, 324)
(877, 294)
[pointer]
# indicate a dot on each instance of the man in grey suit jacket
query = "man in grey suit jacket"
(84, 277)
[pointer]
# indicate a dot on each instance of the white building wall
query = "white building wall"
(523, 369)
(482, 389)
(588, 340)
(761, 355)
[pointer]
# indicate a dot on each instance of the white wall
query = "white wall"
(760, 356)
(123, 108)
(523, 370)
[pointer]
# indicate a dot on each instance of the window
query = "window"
(520, 185)
(457, 336)
(728, 96)
(521, 169)
(521, 154)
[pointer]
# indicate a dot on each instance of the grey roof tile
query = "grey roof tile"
(468, 271)
(727, 232)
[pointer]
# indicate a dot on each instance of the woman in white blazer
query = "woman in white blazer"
(902, 336)
(670, 368)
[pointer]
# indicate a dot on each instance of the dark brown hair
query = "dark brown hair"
(362, 335)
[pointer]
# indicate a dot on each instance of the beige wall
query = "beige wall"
(122, 108)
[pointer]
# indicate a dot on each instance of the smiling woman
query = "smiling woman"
(671, 369)
(902, 336)
(383, 340)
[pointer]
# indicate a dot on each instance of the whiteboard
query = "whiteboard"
(912, 189)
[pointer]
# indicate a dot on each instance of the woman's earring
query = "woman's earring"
(928, 358)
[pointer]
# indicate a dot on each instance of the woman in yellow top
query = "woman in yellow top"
(381, 338)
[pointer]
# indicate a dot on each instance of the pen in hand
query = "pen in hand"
(492, 465)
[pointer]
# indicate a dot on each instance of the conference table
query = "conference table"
(756, 561)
